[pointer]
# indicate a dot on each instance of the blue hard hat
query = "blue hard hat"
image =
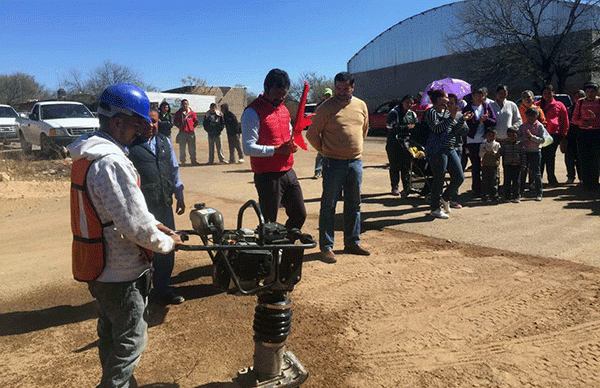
(125, 98)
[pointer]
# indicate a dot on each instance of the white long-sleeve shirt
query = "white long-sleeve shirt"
(112, 186)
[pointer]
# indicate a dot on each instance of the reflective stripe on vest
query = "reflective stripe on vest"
(88, 253)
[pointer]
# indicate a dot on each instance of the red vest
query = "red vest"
(274, 130)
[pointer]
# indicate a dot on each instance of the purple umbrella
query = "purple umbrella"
(450, 85)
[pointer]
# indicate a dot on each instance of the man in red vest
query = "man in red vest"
(267, 139)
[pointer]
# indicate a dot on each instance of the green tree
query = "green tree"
(316, 83)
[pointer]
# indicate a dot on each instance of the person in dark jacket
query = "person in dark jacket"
(483, 118)
(213, 125)
(165, 119)
(400, 121)
(232, 126)
(153, 157)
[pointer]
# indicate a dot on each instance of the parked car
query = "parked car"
(52, 125)
(8, 124)
(564, 98)
(378, 117)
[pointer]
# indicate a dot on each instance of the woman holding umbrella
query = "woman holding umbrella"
(445, 123)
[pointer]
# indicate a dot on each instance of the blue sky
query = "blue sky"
(224, 42)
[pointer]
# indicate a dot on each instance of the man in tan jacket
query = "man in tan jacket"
(339, 128)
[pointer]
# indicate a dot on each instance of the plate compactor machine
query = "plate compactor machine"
(266, 262)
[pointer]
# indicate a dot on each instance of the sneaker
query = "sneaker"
(241, 161)
(538, 198)
(445, 205)
(224, 162)
(356, 249)
(516, 200)
(570, 181)
(455, 205)
(404, 194)
(438, 213)
(395, 192)
(328, 256)
(317, 175)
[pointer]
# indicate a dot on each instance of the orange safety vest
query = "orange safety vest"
(88, 256)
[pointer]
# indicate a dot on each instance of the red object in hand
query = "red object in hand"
(301, 122)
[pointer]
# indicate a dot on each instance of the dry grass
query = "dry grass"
(21, 167)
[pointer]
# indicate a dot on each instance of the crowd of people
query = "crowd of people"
(124, 177)
(523, 140)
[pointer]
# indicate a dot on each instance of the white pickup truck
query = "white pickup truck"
(8, 124)
(52, 125)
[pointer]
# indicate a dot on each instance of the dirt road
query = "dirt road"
(456, 303)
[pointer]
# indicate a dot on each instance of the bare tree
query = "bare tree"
(547, 40)
(19, 87)
(317, 84)
(102, 77)
(198, 85)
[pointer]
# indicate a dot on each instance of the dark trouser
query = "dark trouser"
(588, 146)
(214, 141)
(571, 156)
(512, 179)
(447, 160)
(188, 139)
(549, 159)
(533, 162)
(489, 181)
(234, 145)
(399, 159)
(281, 188)
(122, 328)
(163, 264)
(475, 167)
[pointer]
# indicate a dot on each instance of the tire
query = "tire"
(25, 146)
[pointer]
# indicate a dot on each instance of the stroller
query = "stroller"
(419, 172)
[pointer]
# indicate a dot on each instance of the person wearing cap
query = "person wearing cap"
(154, 158)
(327, 93)
(586, 115)
(116, 263)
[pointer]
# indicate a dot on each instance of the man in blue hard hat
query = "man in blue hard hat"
(113, 232)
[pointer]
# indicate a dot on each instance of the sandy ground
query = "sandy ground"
(496, 296)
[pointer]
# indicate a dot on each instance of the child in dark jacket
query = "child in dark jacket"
(490, 160)
(513, 158)
(531, 133)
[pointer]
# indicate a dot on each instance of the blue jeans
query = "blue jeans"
(340, 175)
(447, 160)
(533, 163)
(318, 164)
(122, 328)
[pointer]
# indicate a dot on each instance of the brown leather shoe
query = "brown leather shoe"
(328, 256)
(356, 249)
